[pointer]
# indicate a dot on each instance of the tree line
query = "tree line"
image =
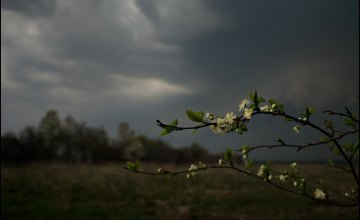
(67, 140)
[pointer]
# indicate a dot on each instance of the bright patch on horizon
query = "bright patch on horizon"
(145, 88)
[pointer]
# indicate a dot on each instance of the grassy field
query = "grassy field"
(61, 191)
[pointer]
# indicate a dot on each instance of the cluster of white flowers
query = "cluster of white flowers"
(319, 194)
(223, 125)
(245, 151)
(282, 177)
(229, 118)
(265, 108)
(293, 165)
(243, 104)
(261, 171)
(194, 168)
(247, 111)
(303, 119)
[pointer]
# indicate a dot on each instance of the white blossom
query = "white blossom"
(247, 113)
(265, 108)
(243, 104)
(221, 161)
(293, 165)
(319, 194)
(282, 177)
(201, 164)
(230, 117)
(296, 129)
(261, 171)
(193, 167)
(207, 115)
(160, 170)
(219, 130)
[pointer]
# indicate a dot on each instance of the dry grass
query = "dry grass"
(62, 191)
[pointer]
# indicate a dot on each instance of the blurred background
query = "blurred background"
(83, 82)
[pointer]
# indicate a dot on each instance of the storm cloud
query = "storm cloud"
(110, 61)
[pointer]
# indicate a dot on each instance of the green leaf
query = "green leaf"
(281, 107)
(309, 111)
(194, 132)
(164, 132)
(272, 101)
(133, 165)
(195, 116)
(254, 98)
(288, 119)
(349, 122)
(242, 128)
(278, 105)
(261, 100)
(228, 155)
(348, 146)
(329, 124)
(249, 163)
(168, 130)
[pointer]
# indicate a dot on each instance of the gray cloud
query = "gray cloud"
(31, 8)
(136, 61)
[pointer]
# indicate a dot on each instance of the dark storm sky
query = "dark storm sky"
(110, 61)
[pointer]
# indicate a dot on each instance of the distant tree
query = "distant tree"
(52, 133)
(135, 150)
(12, 151)
(125, 133)
(33, 144)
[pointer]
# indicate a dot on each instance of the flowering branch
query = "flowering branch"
(232, 123)
(193, 169)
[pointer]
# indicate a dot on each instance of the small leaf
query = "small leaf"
(174, 123)
(133, 166)
(261, 100)
(242, 128)
(249, 163)
(228, 154)
(272, 101)
(281, 107)
(254, 98)
(348, 146)
(168, 130)
(288, 119)
(331, 163)
(349, 122)
(309, 111)
(329, 124)
(195, 116)
(194, 132)
(164, 132)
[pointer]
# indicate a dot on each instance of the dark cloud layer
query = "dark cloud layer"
(136, 61)
(31, 8)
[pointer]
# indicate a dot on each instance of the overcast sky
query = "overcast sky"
(106, 62)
